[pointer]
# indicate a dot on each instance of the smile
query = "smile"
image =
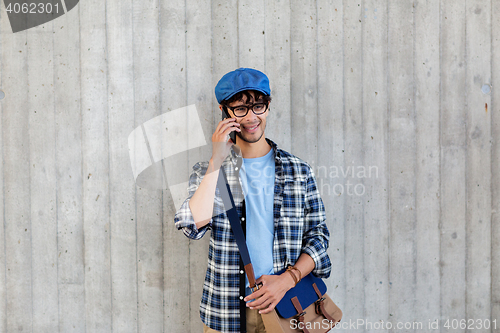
(251, 129)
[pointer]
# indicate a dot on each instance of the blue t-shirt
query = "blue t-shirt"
(257, 178)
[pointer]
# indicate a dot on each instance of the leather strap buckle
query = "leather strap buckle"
(302, 314)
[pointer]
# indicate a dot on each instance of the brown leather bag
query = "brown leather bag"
(311, 322)
(319, 317)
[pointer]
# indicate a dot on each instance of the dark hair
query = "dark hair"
(246, 93)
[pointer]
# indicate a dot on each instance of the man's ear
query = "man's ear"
(221, 107)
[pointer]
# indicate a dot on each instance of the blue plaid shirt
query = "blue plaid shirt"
(299, 226)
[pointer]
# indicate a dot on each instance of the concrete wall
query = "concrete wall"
(391, 87)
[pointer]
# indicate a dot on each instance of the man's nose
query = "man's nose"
(250, 117)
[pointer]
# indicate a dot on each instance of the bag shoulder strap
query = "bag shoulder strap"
(232, 214)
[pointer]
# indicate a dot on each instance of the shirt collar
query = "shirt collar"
(236, 159)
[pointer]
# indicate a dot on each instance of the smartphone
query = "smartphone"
(225, 115)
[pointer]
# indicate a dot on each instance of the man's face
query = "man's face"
(252, 125)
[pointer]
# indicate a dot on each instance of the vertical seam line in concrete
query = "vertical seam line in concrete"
(187, 160)
(238, 31)
(466, 158)
(290, 72)
(56, 165)
(362, 157)
(492, 154)
(82, 162)
(109, 163)
(318, 113)
(343, 146)
(291, 75)
(363, 149)
(415, 168)
(265, 37)
(388, 161)
(165, 179)
(3, 184)
(316, 90)
(162, 215)
(440, 125)
(29, 174)
(135, 187)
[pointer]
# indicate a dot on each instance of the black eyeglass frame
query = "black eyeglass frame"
(249, 107)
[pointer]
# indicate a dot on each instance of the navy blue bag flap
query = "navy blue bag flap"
(305, 293)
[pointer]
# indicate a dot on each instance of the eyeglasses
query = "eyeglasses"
(242, 110)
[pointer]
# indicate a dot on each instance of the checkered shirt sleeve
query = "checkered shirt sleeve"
(316, 236)
(184, 218)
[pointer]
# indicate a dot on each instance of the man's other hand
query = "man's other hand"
(273, 288)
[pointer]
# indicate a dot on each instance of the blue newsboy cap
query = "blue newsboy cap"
(239, 80)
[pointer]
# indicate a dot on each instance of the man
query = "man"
(278, 203)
